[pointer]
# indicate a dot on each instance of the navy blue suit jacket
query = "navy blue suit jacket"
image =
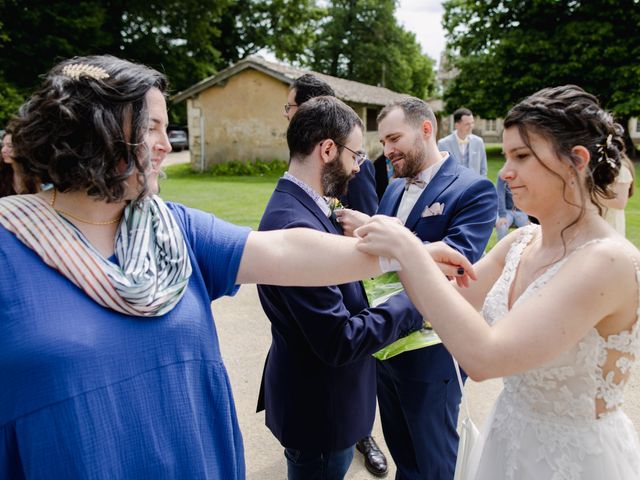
(469, 214)
(361, 194)
(319, 381)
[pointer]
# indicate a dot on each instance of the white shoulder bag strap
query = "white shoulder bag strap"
(469, 434)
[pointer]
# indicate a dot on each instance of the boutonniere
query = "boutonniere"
(334, 204)
(435, 209)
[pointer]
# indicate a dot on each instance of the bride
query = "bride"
(560, 301)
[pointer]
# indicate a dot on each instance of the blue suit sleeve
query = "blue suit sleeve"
(483, 159)
(502, 191)
(361, 194)
(334, 335)
(472, 224)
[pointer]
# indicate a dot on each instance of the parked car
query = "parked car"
(178, 140)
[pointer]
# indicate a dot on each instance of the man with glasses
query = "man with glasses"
(319, 380)
(361, 193)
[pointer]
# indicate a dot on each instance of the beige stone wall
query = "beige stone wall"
(242, 120)
(371, 142)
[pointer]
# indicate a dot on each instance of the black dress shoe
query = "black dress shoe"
(374, 460)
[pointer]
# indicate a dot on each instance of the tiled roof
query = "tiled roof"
(346, 90)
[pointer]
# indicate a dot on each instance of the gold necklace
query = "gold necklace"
(70, 215)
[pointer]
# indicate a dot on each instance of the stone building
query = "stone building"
(237, 114)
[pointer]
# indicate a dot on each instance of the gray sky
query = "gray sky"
(423, 17)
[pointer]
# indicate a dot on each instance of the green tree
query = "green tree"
(361, 40)
(10, 101)
(38, 33)
(186, 39)
(285, 27)
(505, 50)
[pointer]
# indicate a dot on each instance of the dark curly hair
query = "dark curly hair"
(86, 132)
(568, 116)
(319, 119)
(309, 86)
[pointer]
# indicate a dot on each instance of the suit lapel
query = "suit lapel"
(307, 202)
(444, 177)
(454, 148)
(391, 198)
(336, 225)
(473, 147)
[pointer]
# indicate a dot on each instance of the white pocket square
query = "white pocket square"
(435, 209)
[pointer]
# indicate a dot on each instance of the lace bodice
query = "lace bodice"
(584, 382)
(564, 414)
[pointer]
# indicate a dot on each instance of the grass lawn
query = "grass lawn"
(241, 200)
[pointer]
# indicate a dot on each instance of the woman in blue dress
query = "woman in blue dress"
(109, 359)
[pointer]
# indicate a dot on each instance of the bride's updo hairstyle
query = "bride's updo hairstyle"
(567, 116)
(83, 130)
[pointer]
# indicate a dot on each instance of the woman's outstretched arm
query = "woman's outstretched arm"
(306, 257)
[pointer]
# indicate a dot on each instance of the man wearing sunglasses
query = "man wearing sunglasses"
(319, 381)
(361, 195)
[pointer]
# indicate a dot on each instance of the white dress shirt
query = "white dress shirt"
(462, 145)
(411, 194)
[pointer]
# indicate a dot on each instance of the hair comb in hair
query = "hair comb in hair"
(77, 70)
(602, 150)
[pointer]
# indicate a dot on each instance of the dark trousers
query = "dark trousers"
(419, 422)
(303, 465)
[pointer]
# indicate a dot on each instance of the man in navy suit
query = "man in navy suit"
(438, 199)
(361, 194)
(319, 380)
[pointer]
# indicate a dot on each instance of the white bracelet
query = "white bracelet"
(389, 264)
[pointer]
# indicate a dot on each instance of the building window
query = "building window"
(372, 114)
(637, 129)
(490, 125)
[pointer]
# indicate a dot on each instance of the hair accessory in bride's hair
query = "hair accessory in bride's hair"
(77, 70)
(603, 148)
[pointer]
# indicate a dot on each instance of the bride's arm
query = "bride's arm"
(486, 270)
(586, 290)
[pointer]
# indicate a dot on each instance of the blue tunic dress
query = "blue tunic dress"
(88, 393)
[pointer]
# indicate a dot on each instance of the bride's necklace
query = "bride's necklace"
(70, 215)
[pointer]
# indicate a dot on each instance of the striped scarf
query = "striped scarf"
(153, 264)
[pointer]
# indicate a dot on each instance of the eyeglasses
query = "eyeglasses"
(287, 106)
(360, 157)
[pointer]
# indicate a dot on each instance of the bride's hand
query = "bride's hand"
(388, 237)
(452, 263)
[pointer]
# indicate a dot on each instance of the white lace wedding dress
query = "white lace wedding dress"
(561, 421)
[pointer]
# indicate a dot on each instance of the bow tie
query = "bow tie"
(463, 142)
(418, 182)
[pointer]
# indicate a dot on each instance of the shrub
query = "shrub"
(493, 149)
(256, 168)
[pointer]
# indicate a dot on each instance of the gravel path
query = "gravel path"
(245, 337)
